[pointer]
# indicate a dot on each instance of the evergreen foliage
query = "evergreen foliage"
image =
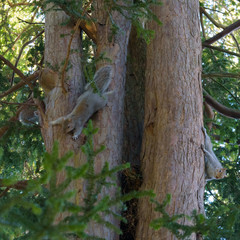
(32, 213)
(222, 197)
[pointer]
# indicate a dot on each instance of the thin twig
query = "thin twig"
(69, 46)
(21, 33)
(220, 50)
(21, 51)
(226, 75)
(20, 104)
(32, 23)
(30, 78)
(226, 90)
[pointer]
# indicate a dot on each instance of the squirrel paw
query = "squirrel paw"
(75, 137)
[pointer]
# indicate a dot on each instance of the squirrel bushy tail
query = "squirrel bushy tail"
(101, 80)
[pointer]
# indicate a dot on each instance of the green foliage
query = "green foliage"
(33, 212)
(21, 147)
(138, 12)
(172, 223)
(219, 226)
(222, 197)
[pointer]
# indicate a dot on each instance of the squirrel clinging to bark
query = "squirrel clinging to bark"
(88, 103)
(28, 116)
(213, 168)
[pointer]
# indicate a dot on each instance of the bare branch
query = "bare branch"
(69, 45)
(68, 55)
(223, 33)
(219, 25)
(23, 31)
(228, 112)
(220, 50)
(202, 25)
(222, 86)
(29, 79)
(20, 185)
(31, 23)
(20, 53)
(12, 5)
(4, 129)
(19, 104)
(227, 75)
(17, 71)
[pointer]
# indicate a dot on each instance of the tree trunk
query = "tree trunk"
(110, 119)
(57, 104)
(172, 159)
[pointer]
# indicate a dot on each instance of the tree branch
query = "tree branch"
(23, 31)
(220, 49)
(12, 5)
(223, 33)
(21, 20)
(20, 185)
(222, 86)
(19, 104)
(16, 70)
(219, 25)
(228, 112)
(29, 79)
(87, 26)
(20, 53)
(76, 27)
(227, 75)
(4, 129)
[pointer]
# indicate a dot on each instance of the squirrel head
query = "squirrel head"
(69, 125)
(220, 173)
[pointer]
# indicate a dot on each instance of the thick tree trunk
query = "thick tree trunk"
(57, 37)
(172, 159)
(110, 119)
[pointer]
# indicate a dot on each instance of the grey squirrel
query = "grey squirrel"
(88, 103)
(28, 116)
(213, 168)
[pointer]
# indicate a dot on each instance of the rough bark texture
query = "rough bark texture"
(110, 119)
(58, 104)
(172, 159)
